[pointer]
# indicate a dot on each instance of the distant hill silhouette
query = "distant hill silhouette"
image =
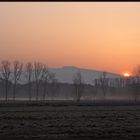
(65, 74)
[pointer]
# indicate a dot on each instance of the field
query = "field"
(60, 120)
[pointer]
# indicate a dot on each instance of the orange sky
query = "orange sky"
(93, 35)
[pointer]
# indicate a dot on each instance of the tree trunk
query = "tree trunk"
(14, 92)
(29, 91)
(37, 89)
(78, 97)
(6, 90)
(44, 92)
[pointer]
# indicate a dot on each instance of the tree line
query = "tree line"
(38, 74)
(106, 84)
(33, 72)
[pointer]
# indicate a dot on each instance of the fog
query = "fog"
(64, 91)
(42, 84)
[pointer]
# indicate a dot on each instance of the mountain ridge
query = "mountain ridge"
(65, 74)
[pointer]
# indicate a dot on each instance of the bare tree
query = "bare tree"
(45, 79)
(29, 71)
(135, 85)
(104, 83)
(136, 73)
(6, 71)
(95, 87)
(54, 84)
(17, 70)
(37, 74)
(78, 85)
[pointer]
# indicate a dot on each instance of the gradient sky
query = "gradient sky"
(92, 35)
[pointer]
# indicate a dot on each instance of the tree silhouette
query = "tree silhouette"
(45, 80)
(78, 85)
(17, 69)
(29, 72)
(54, 84)
(6, 71)
(135, 85)
(103, 81)
(37, 75)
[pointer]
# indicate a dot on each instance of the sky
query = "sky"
(93, 35)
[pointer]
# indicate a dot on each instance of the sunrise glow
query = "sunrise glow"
(90, 35)
(126, 74)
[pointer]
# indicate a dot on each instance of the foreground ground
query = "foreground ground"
(69, 121)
